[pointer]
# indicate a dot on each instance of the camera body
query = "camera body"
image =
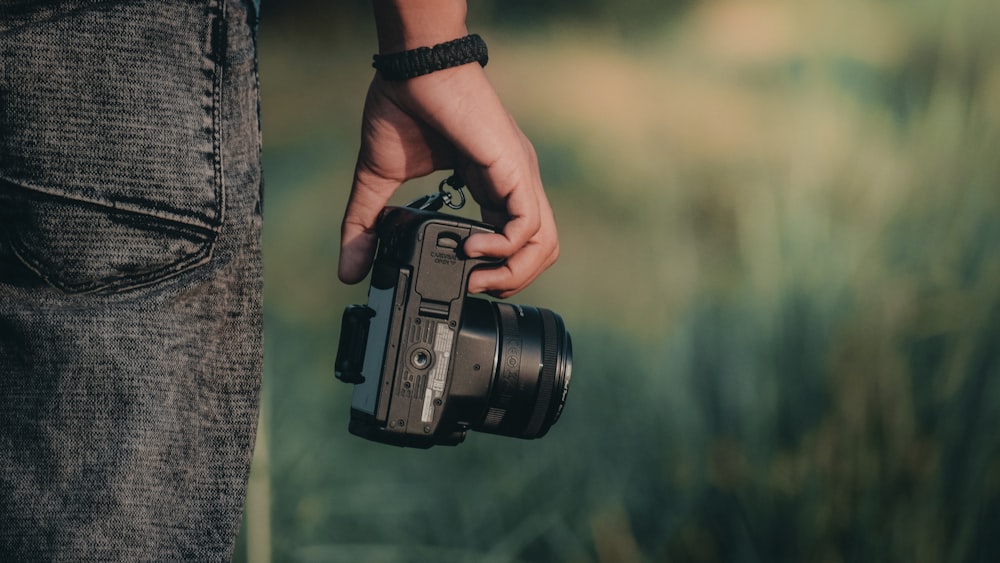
(429, 362)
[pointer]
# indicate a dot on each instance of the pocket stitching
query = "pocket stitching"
(121, 282)
(126, 207)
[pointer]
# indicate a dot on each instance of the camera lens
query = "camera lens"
(532, 365)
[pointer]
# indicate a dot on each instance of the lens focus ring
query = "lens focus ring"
(548, 375)
(507, 371)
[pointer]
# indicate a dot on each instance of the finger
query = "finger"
(519, 214)
(515, 234)
(520, 269)
(517, 273)
(358, 239)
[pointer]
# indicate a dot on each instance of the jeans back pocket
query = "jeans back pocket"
(110, 163)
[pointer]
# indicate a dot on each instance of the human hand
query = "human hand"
(451, 120)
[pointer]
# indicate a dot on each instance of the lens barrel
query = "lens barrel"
(532, 367)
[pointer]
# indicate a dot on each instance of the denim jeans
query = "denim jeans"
(130, 277)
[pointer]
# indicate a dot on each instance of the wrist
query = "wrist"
(404, 25)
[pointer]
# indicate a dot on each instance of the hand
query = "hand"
(451, 120)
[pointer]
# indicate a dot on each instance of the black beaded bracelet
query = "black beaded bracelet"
(425, 60)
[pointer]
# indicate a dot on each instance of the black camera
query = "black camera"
(429, 362)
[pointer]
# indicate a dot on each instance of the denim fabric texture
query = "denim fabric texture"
(130, 277)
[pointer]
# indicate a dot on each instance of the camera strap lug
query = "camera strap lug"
(457, 183)
(435, 201)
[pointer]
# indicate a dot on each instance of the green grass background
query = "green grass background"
(780, 227)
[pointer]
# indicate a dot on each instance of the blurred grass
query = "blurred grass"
(780, 225)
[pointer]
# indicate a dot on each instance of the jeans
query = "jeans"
(130, 277)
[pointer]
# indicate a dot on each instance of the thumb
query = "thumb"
(358, 239)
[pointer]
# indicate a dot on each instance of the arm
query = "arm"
(449, 119)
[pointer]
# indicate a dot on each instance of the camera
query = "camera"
(428, 362)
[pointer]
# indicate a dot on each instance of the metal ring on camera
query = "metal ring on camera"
(456, 183)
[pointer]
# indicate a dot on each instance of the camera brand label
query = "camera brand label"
(444, 258)
(438, 376)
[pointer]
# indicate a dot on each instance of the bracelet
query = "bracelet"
(425, 60)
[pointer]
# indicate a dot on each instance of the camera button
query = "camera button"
(448, 240)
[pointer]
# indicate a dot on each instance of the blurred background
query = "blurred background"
(780, 226)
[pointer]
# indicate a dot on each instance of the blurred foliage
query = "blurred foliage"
(780, 225)
(630, 15)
